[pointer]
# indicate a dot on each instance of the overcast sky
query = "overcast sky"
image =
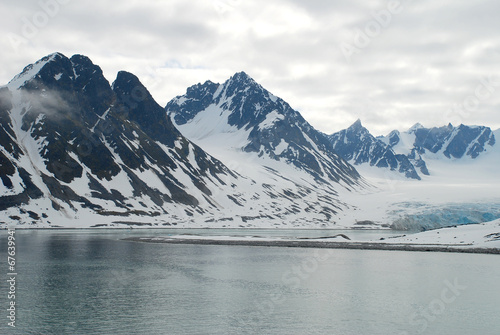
(389, 63)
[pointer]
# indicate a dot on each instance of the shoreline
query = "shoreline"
(322, 244)
(144, 227)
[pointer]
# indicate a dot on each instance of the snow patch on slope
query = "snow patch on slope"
(212, 120)
(281, 147)
(271, 119)
(405, 144)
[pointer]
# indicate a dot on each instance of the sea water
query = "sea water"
(93, 282)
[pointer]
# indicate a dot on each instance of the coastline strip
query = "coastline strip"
(321, 244)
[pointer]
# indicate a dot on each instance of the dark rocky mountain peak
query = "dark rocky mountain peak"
(356, 145)
(357, 126)
(243, 79)
(274, 128)
(136, 104)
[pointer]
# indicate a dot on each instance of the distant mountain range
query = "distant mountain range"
(77, 151)
(406, 152)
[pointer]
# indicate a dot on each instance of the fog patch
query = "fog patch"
(51, 103)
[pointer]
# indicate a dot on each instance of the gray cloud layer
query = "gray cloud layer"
(389, 63)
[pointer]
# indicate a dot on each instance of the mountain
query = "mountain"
(409, 152)
(259, 134)
(76, 151)
(357, 145)
(452, 142)
(269, 126)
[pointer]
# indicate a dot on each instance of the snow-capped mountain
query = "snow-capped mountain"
(357, 145)
(268, 126)
(72, 147)
(77, 151)
(409, 152)
(261, 136)
(452, 142)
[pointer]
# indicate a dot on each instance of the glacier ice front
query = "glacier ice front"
(418, 216)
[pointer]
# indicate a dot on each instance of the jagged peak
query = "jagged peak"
(52, 57)
(124, 76)
(57, 54)
(208, 83)
(81, 59)
(357, 129)
(241, 76)
(199, 87)
(240, 87)
(129, 84)
(241, 79)
(32, 70)
(56, 71)
(356, 125)
(394, 133)
(415, 127)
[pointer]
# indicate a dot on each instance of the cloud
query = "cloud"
(49, 102)
(415, 66)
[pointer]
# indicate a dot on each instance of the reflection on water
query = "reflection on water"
(91, 282)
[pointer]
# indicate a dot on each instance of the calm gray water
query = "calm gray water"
(91, 282)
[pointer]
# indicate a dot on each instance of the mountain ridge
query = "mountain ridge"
(412, 148)
(356, 144)
(88, 146)
(77, 151)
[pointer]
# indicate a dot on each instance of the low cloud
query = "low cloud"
(51, 103)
